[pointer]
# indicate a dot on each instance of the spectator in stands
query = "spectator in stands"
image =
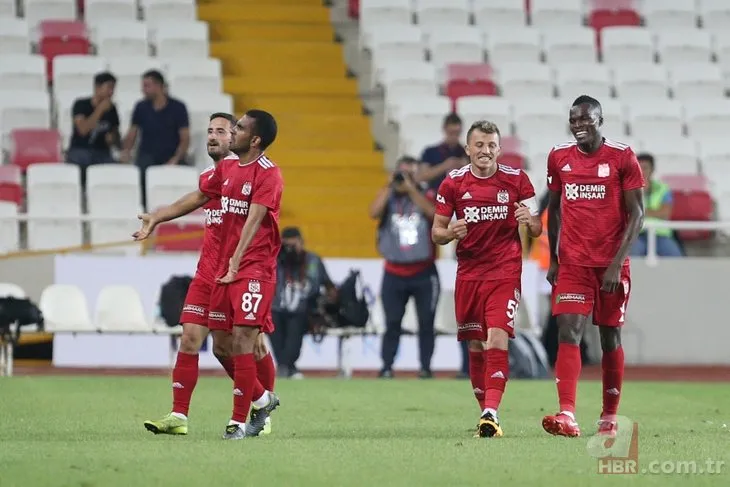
(95, 126)
(658, 207)
(405, 210)
(438, 160)
(163, 125)
(300, 281)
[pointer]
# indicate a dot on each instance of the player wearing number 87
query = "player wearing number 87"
(250, 193)
(596, 211)
(491, 201)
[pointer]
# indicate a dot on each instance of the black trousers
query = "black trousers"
(288, 335)
(425, 289)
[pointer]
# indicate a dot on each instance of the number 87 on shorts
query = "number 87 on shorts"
(252, 301)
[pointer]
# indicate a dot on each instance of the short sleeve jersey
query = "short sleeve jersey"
(491, 249)
(593, 216)
(239, 186)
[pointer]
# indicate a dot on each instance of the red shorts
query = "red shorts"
(578, 291)
(197, 301)
(246, 302)
(480, 305)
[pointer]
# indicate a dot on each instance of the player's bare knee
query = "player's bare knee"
(244, 339)
(476, 345)
(259, 350)
(191, 339)
(497, 338)
(610, 338)
(570, 328)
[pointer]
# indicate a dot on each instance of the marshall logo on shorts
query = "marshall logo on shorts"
(570, 298)
(246, 190)
(217, 316)
(254, 287)
(196, 310)
(502, 196)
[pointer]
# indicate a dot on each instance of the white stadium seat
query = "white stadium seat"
(463, 45)
(664, 15)
(121, 38)
(491, 14)
(178, 39)
(65, 309)
(614, 118)
(493, 108)
(624, 45)
(697, 82)
(676, 158)
(574, 80)
(128, 71)
(409, 78)
(682, 46)
(641, 81)
(23, 72)
(715, 157)
(39, 10)
(715, 15)
(204, 75)
(567, 45)
(113, 190)
(453, 13)
(166, 184)
(709, 119)
(377, 12)
(76, 73)
(14, 36)
(113, 230)
(54, 189)
(156, 11)
(404, 44)
(9, 231)
(96, 11)
(556, 13)
(119, 309)
(11, 290)
(525, 80)
(24, 109)
(434, 107)
(8, 8)
(656, 118)
(513, 45)
(546, 117)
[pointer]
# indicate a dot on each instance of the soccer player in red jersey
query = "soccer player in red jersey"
(194, 316)
(490, 201)
(250, 192)
(595, 213)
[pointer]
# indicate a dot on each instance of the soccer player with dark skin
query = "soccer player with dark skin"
(596, 212)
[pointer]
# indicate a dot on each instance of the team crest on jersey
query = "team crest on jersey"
(502, 196)
(254, 287)
(604, 170)
(246, 190)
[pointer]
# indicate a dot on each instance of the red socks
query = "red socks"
(476, 374)
(184, 379)
(245, 386)
(613, 377)
(496, 374)
(227, 364)
(266, 372)
(567, 371)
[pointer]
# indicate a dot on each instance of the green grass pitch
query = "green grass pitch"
(87, 432)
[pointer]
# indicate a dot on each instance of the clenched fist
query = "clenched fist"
(458, 228)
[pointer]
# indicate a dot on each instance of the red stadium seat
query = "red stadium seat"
(692, 202)
(31, 146)
(612, 13)
(11, 187)
(468, 80)
(353, 9)
(62, 37)
(512, 153)
(173, 229)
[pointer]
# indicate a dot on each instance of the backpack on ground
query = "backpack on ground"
(172, 299)
(16, 313)
(352, 306)
(527, 357)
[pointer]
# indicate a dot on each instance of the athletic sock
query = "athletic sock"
(184, 379)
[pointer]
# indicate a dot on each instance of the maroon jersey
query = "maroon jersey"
(239, 186)
(593, 216)
(491, 249)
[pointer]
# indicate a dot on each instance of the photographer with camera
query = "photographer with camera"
(300, 277)
(405, 209)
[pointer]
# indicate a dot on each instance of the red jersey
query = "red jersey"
(208, 261)
(593, 217)
(239, 186)
(491, 249)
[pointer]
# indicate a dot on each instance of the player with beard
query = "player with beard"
(194, 316)
(490, 201)
(595, 213)
(250, 191)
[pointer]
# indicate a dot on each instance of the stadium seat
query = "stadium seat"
(31, 146)
(614, 118)
(65, 309)
(121, 38)
(113, 190)
(119, 309)
(518, 80)
(692, 202)
(11, 290)
(431, 107)
(678, 157)
(353, 9)
(654, 118)
(624, 45)
(23, 72)
(697, 82)
(641, 81)
(37, 11)
(182, 39)
(98, 11)
(715, 15)
(111, 234)
(469, 79)
(166, 184)
(24, 109)
(569, 45)
(537, 177)
(156, 11)
(453, 13)
(514, 45)
(715, 159)
(490, 14)
(128, 71)
(14, 36)
(445, 315)
(447, 45)
(573, 80)
(409, 78)
(370, 31)
(547, 118)
(54, 190)
(9, 232)
(556, 13)
(11, 184)
(377, 12)
(62, 38)
(493, 108)
(178, 236)
(76, 73)
(204, 75)
(663, 15)
(8, 8)
(395, 46)
(709, 119)
(684, 46)
(613, 13)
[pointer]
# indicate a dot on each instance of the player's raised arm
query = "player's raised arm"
(188, 203)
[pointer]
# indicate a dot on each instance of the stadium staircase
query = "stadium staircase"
(282, 56)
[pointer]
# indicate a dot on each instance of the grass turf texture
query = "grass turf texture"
(87, 431)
